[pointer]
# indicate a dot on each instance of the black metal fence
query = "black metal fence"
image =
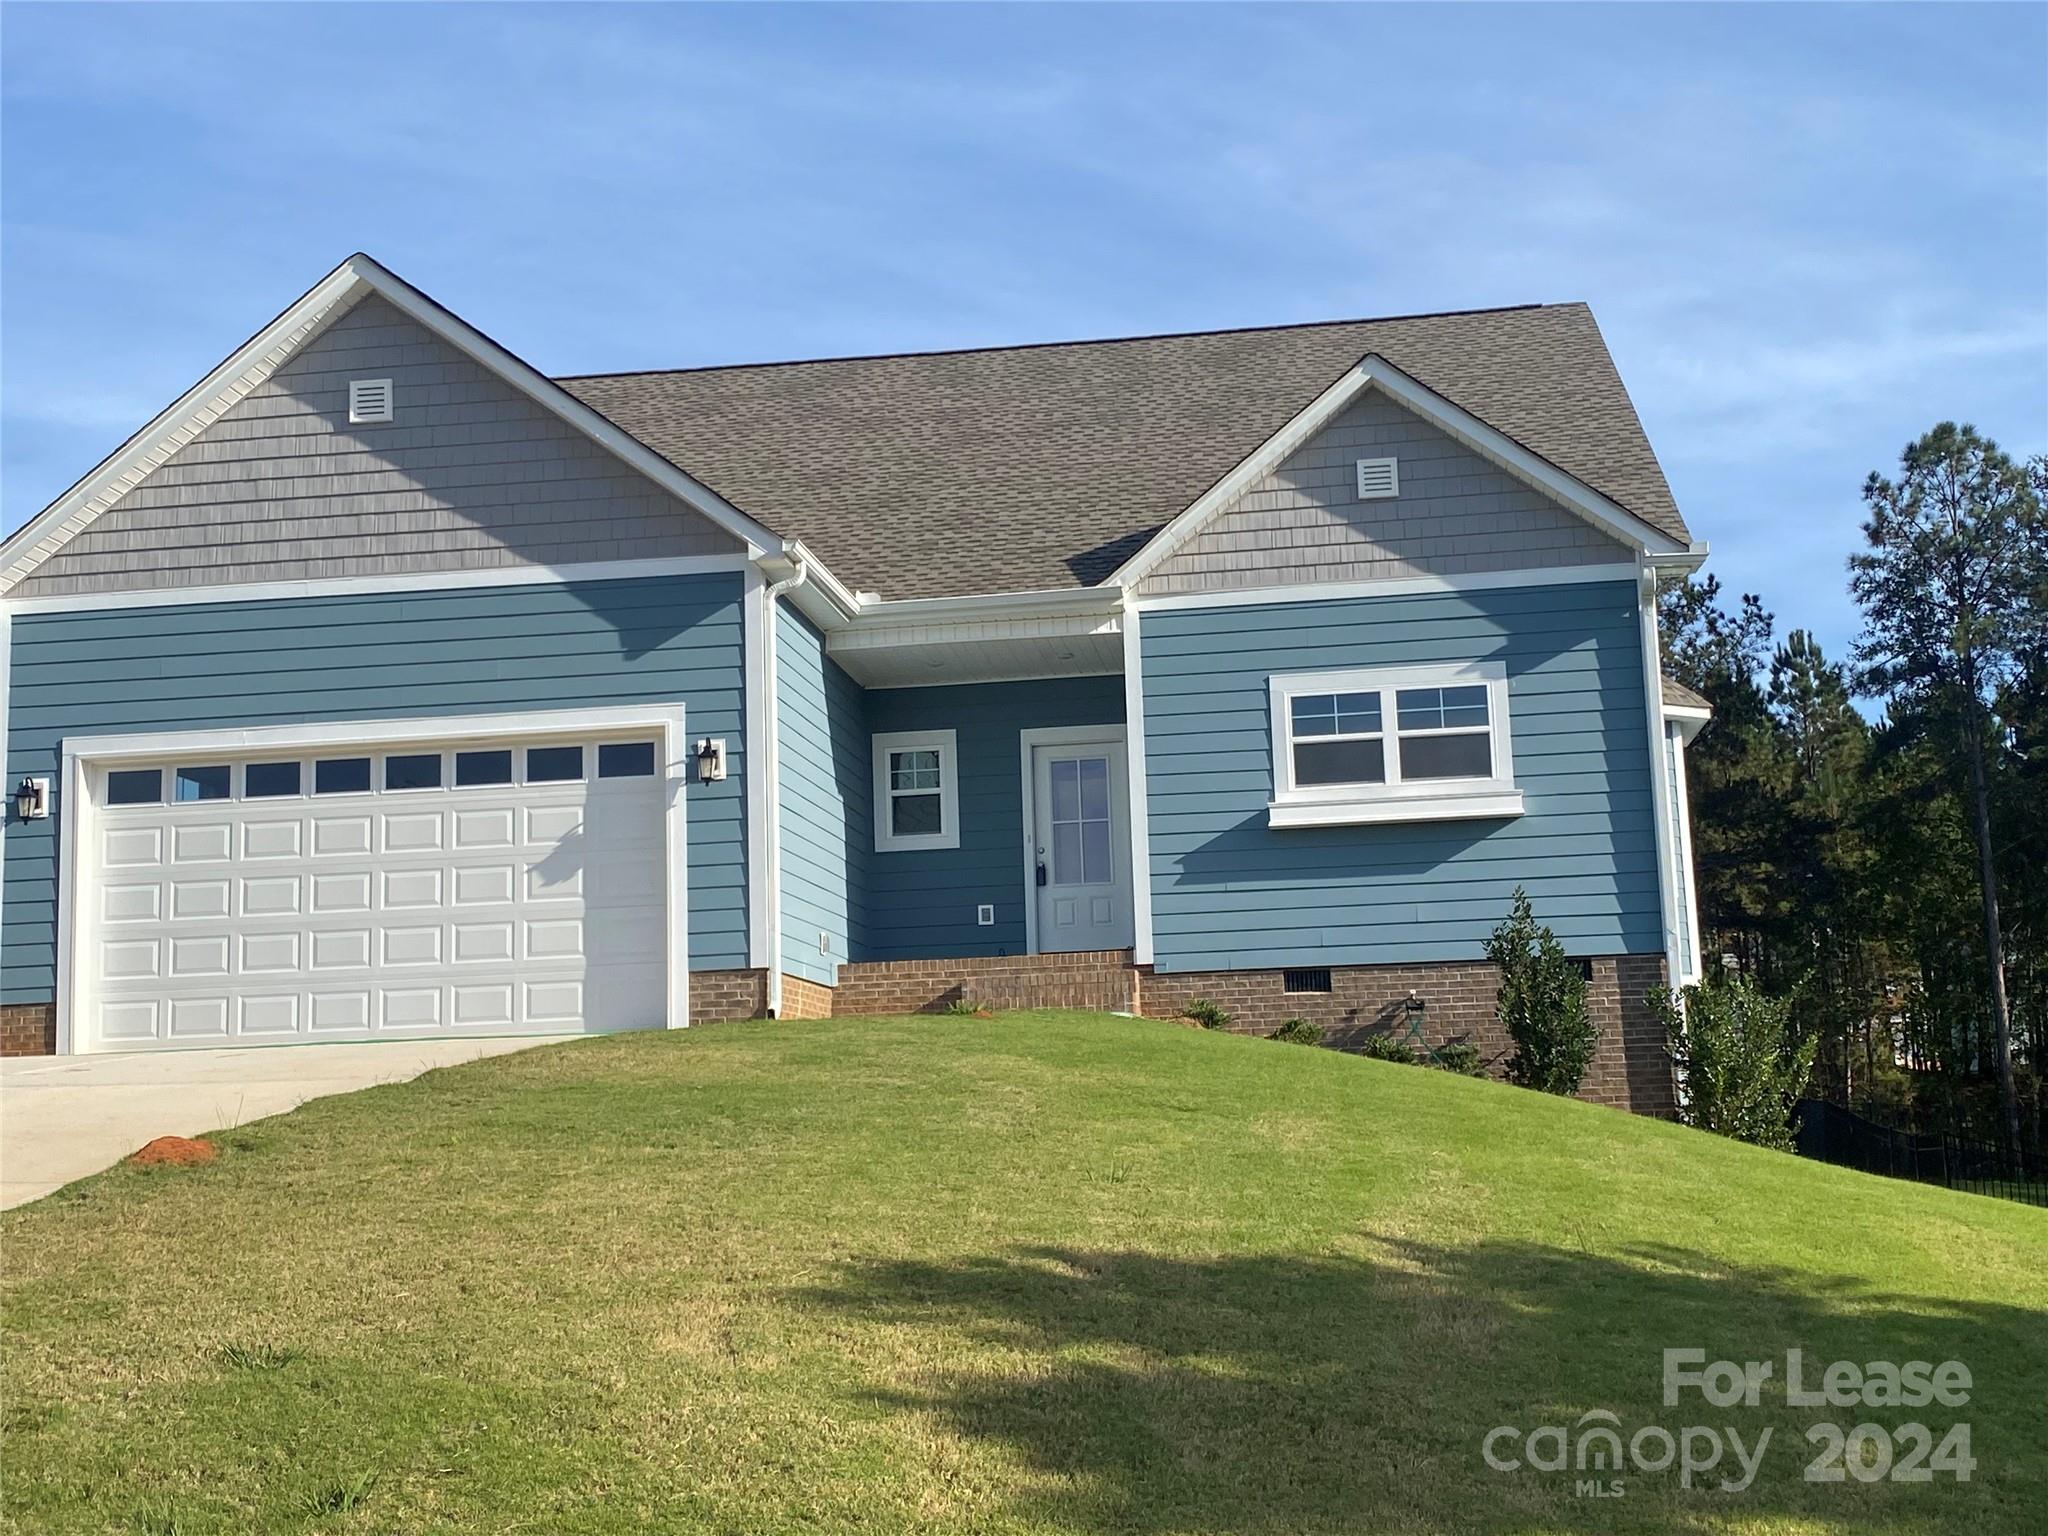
(1837, 1135)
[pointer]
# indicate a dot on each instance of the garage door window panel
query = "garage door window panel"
(413, 770)
(341, 776)
(554, 765)
(272, 781)
(476, 770)
(135, 786)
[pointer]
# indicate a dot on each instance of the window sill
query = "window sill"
(1370, 810)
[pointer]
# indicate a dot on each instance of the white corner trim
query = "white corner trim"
(1687, 874)
(260, 356)
(1492, 805)
(1660, 796)
(1028, 741)
(7, 822)
(1140, 809)
(1374, 371)
(946, 744)
(368, 586)
(76, 809)
(757, 641)
(1292, 593)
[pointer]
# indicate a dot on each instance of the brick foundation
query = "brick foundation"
(718, 997)
(802, 999)
(1097, 979)
(28, 1029)
(1630, 1068)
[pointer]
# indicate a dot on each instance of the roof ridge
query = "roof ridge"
(1084, 341)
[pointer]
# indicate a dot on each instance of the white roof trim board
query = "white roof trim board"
(1375, 372)
(265, 352)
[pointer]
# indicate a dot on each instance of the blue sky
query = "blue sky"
(1808, 233)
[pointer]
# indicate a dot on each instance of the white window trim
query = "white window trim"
(1494, 797)
(945, 743)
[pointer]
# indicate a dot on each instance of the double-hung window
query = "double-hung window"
(917, 792)
(1416, 743)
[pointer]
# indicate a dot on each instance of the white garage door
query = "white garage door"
(481, 888)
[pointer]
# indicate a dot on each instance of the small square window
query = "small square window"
(625, 760)
(916, 793)
(416, 770)
(267, 781)
(341, 776)
(201, 784)
(553, 765)
(135, 786)
(476, 769)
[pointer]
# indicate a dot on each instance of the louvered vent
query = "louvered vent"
(1378, 479)
(369, 400)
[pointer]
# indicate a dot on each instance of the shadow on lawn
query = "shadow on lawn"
(1284, 1393)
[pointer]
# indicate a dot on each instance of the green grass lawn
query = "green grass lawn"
(1054, 1272)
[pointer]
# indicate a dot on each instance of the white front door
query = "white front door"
(1080, 845)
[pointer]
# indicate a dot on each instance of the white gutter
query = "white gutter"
(771, 749)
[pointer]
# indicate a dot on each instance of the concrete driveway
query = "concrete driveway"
(63, 1117)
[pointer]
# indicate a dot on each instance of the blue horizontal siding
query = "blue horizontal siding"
(1228, 891)
(921, 903)
(827, 804)
(470, 651)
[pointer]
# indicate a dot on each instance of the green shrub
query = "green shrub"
(1206, 1014)
(1387, 1048)
(965, 1007)
(1299, 1032)
(1740, 1061)
(1462, 1058)
(1542, 1003)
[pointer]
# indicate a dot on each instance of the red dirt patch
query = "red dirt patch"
(176, 1152)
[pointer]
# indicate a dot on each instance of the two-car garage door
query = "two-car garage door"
(414, 888)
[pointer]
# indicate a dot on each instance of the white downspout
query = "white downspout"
(771, 750)
(1668, 894)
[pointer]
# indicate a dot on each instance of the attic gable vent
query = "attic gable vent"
(370, 400)
(1378, 479)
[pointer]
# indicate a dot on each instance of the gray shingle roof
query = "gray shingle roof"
(1016, 468)
(1677, 693)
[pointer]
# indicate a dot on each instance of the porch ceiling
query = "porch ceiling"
(927, 655)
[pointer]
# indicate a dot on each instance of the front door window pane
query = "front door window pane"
(1080, 821)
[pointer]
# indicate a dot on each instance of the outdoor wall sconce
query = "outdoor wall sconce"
(1416, 1011)
(32, 799)
(710, 760)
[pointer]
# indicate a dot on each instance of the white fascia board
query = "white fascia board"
(1567, 490)
(259, 357)
(1689, 721)
(1375, 372)
(1293, 593)
(178, 423)
(1054, 602)
(366, 586)
(545, 392)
